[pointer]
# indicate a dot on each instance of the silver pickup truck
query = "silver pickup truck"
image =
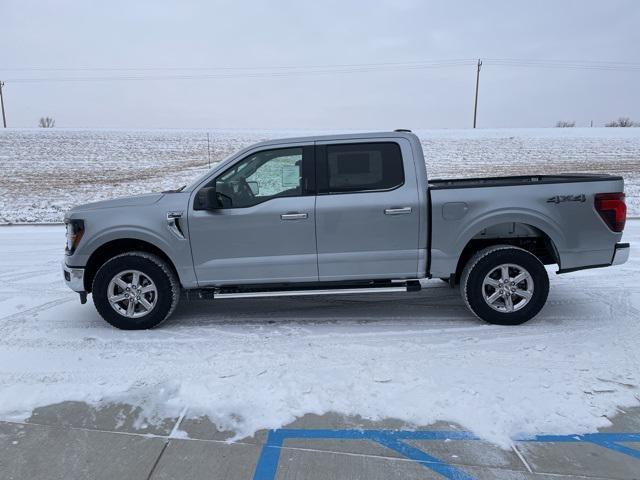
(341, 214)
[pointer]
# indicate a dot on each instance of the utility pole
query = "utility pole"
(208, 150)
(475, 106)
(4, 118)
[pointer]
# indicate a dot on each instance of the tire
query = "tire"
(157, 286)
(483, 279)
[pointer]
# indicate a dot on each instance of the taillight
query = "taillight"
(612, 209)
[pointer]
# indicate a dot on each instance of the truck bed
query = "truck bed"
(439, 184)
(559, 208)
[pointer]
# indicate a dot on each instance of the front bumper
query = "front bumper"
(621, 253)
(73, 277)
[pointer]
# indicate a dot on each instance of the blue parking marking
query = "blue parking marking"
(427, 461)
(267, 466)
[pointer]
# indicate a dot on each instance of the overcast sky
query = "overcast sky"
(252, 38)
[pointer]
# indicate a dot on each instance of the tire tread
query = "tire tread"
(171, 276)
(473, 262)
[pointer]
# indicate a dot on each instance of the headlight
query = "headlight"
(75, 230)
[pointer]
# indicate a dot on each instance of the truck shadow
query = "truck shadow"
(436, 302)
(435, 306)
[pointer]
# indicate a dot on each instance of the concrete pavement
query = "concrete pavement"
(74, 440)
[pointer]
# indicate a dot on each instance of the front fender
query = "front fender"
(177, 251)
(146, 223)
(133, 232)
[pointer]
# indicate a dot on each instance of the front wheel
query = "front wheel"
(135, 291)
(504, 285)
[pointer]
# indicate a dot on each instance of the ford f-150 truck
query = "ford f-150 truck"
(341, 214)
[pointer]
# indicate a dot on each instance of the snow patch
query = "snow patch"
(71, 166)
(253, 364)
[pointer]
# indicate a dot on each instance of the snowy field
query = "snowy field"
(252, 364)
(46, 171)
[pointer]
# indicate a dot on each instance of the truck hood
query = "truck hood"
(133, 201)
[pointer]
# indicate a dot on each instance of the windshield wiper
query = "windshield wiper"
(177, 190)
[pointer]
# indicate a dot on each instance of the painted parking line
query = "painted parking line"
(395, 440)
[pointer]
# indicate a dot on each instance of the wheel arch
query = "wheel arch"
(537, 236)
(118, 246)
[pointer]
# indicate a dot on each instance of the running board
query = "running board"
(327, 291)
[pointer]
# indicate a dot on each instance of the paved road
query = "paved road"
(74, 440)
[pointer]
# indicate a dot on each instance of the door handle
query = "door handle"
(397, 211)
(294, 216)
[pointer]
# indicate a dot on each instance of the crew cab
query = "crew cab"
(341, 214)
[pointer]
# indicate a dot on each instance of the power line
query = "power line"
(564, 64)
(565, 61)
(415, 63)
(292, 73)
(496, 61)
(434, 63)
(234, 72)
(227, 72)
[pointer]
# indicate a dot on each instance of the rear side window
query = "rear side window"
(363, 167)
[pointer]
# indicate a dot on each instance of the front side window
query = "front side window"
(260, 177)
(364, 167)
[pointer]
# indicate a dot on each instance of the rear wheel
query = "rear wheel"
(504, 285)
(135, 291)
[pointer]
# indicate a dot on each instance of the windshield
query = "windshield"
(202, 177)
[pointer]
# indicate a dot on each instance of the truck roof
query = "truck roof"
(340, 136)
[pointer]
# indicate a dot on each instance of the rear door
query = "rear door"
(367, 210)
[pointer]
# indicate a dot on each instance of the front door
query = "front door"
(264, 228)
(367, 211)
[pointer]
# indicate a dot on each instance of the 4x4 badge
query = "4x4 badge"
(567, 198)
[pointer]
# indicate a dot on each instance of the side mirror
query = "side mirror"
(207, 199)
(255, 187)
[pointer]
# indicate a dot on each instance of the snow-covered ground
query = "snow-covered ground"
(252, 364)
(46, 171)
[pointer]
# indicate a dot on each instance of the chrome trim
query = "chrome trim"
(294, 216)
(397, 211)
(76, 277)
(172, 223)
(299, 293)
(621, 254)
